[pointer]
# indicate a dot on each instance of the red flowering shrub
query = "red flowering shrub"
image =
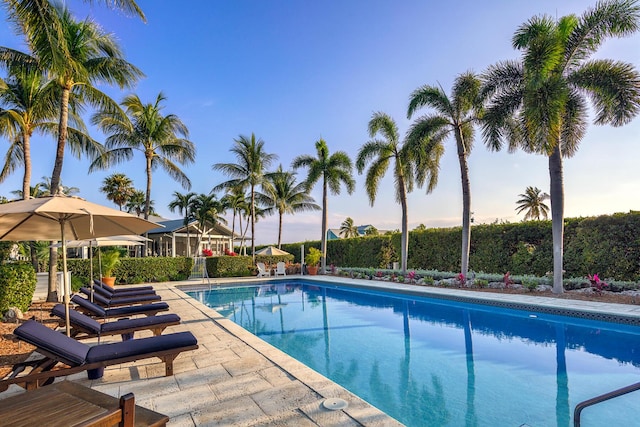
(207, 252)
(227, 252)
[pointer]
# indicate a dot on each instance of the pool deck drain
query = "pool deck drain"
(235, 378)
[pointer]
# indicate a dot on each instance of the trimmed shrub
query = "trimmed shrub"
(137, 270)
(229, 266)
(17, 286)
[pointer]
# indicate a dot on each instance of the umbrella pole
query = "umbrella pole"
(67, 286)
(91, 268)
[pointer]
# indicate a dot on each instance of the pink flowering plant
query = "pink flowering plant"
(461, 279)
(596, 283)
(507, 280)
(411, 276)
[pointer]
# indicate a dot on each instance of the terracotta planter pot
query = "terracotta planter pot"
(312, 270)
(111, 281)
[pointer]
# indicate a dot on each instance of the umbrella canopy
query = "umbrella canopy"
(62, 218)
(271, 250)
(131, 240)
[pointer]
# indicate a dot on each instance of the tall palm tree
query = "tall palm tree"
(27, 105)
(540, 102)
(118, 188)
(34, 192)
(236, 200)
(380, 152)
(532, 201)
(283, 195)
(348, 229)
(161, 139)
(184, 203)
(333, 170)
(456, 115)
(252, 163)
(208, 211)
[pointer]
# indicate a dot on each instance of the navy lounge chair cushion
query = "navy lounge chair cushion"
(68, 349)
(148, 345)
(75, 352)
(140, 322)
(118, 311)
(114, 290)
(76, 318)
(133, 299)
(105, 293)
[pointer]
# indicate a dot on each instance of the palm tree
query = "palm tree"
(208, 211)
(62, 189)
(532, 201)
(380, 152)
(118, 188)
(34, 192)
(184, 203)
(455, 115)
(283, 195)
(143, 127)
(249, 172)
(333, 170)
(137, 203)
(236, 200)
(28, 106)
(348, 229)
(540, 103)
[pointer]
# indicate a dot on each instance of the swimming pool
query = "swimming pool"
(433, 362)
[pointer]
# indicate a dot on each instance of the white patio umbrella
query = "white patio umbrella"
(61, 218)
(271, 250)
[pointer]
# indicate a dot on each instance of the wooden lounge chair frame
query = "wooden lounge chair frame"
(53, 365)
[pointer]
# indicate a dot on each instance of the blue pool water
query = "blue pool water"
(432, 362)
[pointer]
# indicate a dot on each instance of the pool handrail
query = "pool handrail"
(599, 399)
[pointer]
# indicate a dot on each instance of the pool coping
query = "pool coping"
(594, 310)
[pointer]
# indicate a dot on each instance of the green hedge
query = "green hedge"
(608, 245)
(17, 286)
(229, 266)
(137, 270)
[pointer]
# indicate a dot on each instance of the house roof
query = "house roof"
(177, 225)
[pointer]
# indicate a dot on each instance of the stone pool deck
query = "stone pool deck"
(237, 379)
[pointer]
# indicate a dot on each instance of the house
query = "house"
(363, 230)
(173, 237)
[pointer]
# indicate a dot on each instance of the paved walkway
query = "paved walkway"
(237, 379)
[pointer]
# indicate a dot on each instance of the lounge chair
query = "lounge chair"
(262, 270)
(120, 301)
(59, 350)
(83, 326)
(280, 269)
(124, 291)
(87, 307)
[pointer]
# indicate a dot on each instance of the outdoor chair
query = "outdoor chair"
(83, 326)
(262, 270)
(119, 301)
(124, 291)
(60, 350)
(94, 310)
(281, 269)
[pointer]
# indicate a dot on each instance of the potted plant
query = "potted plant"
(109, 260)
(312, 259)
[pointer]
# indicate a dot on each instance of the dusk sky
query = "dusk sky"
(295, 71)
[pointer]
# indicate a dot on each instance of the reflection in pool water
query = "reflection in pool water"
(430, 362)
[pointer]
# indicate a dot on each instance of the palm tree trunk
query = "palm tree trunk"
(147, 202)
(323, 248)
(404, 239)
(280, 230)
(253, 223)
(52, 294)
(466, 203)
(557, 215)
(26, 152)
